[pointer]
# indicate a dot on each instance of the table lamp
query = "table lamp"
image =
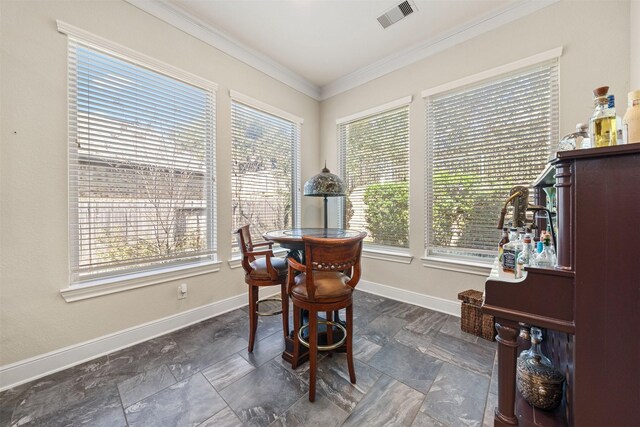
(325, 184)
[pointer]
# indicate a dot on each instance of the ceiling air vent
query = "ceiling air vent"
(396, 13)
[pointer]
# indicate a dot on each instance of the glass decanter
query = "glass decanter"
(535, 350)
(537, 380)
(575, 139)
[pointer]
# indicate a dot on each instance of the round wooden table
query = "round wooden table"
(291, 238)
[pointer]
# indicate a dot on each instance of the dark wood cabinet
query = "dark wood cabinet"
(589, 305)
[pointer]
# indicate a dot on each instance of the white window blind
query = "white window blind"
(374, 164)
(483, 139)
(141, 165)
(266, 170)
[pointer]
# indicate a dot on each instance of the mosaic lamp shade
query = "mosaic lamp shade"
(325, 184)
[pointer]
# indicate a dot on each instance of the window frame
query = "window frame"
(120, 281)
(370, 249)
(296, 185)
(473, 264)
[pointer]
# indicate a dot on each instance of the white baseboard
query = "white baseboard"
(410, 297)
(57, 360)
(39, 366)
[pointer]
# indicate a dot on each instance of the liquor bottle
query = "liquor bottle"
(513, 234)
(532, 246)
(632, 118)
(504, 240)
(521, 235)
(547, 257)
(509, 257)
(602, 126)
(525, 256)
(510, 252)
(519, 242)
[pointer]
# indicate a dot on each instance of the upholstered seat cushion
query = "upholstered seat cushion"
(259, 267)
(329, 284)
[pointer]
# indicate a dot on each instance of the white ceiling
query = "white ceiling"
(323, 47)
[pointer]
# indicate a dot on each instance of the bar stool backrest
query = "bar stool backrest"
(339, 255)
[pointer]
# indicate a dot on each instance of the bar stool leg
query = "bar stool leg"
(253, 315)
(296, 341)
(329, 315)
(285, 309)
(313, 353)
(352, 372)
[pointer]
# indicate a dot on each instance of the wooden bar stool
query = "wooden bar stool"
(325, 284)
(262, 268)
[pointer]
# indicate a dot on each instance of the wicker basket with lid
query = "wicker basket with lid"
(472, 320)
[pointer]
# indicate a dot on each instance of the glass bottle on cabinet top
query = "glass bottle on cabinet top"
(632, 118)
(602, 126)
(576, 140)
(525, 256)
(510, 252)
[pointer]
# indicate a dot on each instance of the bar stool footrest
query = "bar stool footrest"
(268, 313)
(324, 347)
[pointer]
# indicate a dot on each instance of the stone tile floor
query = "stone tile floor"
(414, 367)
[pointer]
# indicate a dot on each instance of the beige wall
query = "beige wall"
(588, 61)
(635, 44)
(34, 318)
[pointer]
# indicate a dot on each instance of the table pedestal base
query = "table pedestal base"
(287, 354)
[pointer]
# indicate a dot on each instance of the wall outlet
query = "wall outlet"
(182, 291)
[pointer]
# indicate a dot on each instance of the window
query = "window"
(266, 174)
(141, 165)
(482, 139)
(374, 163)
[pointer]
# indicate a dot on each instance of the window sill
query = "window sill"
(235, 261)
(100, 287)
(457, 265)
(402, 257)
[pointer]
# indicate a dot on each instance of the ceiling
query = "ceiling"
(323, 47)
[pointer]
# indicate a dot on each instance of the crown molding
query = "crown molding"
(421, 51)
(198, 29)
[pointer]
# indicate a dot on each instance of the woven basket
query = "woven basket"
(472, 320)
(488, 327)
